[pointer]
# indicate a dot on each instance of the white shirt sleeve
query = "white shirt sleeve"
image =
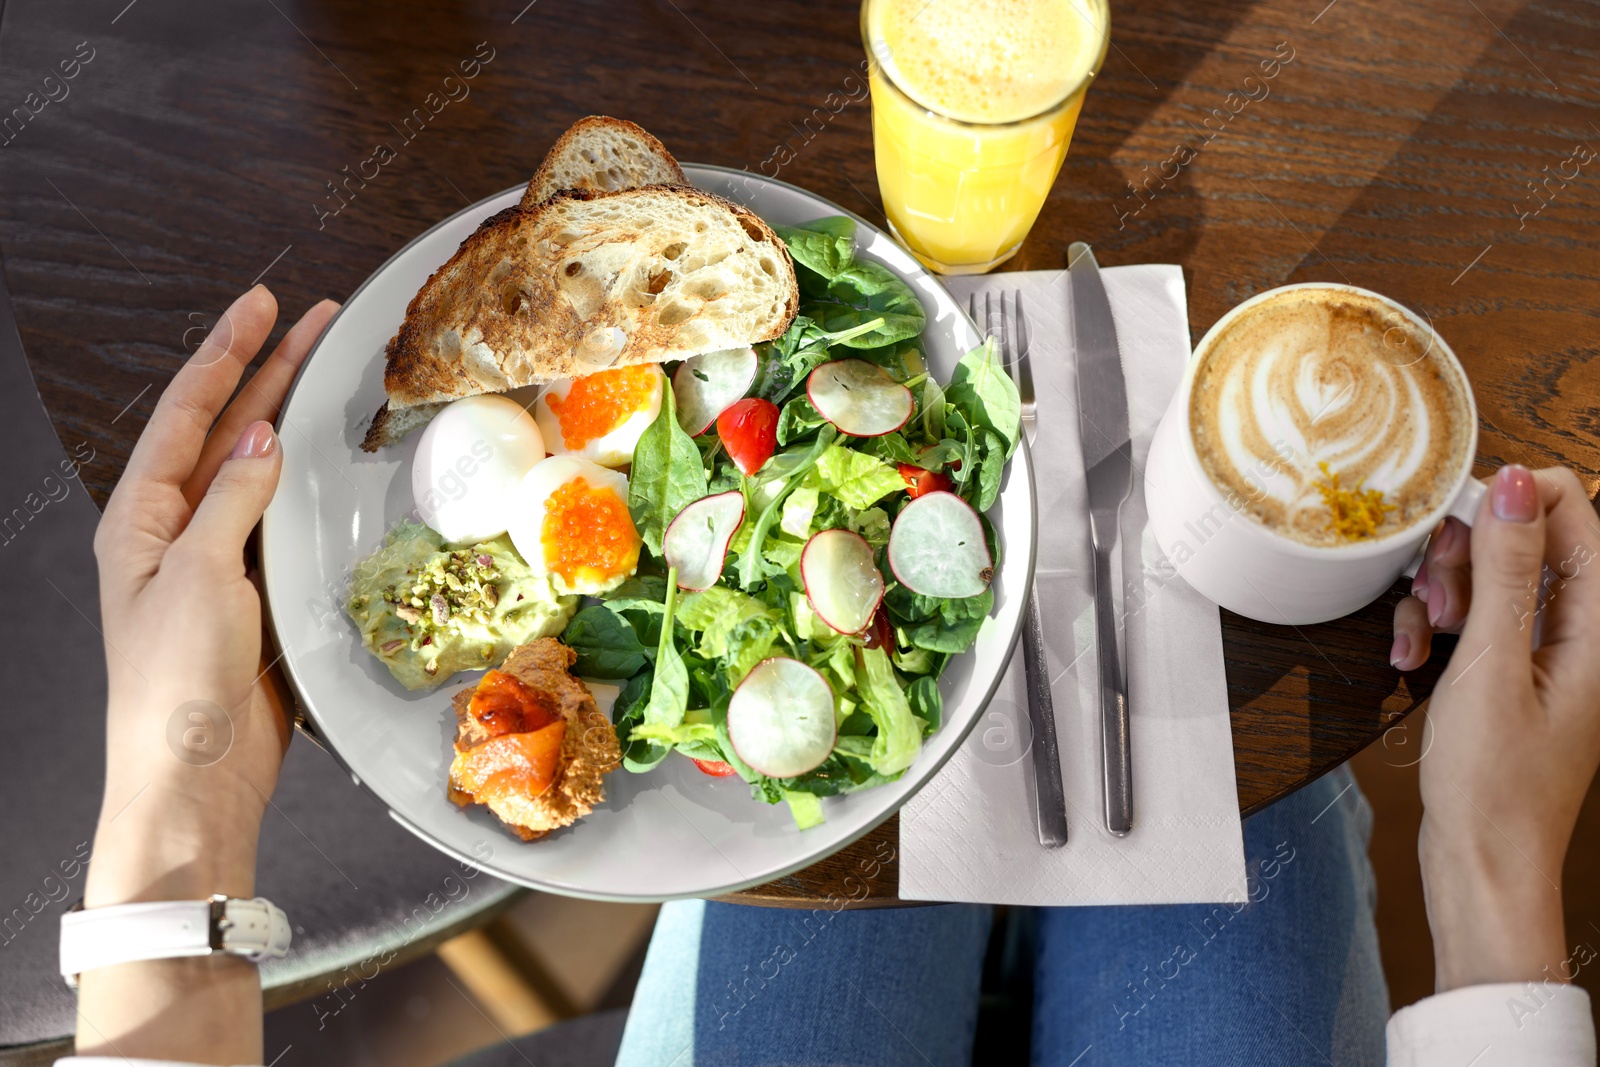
(117, 1061)
(1508, 1025)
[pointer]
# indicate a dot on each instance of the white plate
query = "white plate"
(673, 832)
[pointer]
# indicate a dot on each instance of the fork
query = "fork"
(1050, 795)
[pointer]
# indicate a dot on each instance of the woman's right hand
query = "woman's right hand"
(1514, 729)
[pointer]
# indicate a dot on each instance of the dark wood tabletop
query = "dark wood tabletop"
(1441, 151)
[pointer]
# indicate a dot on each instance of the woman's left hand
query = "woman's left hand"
(194, 734)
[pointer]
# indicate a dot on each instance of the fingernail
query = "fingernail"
(1419, 584)
(1435, 601)
(1445, 542)
(257, 440)
(1514, 496)
(1400, 650)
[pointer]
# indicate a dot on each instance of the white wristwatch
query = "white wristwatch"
(166, 929)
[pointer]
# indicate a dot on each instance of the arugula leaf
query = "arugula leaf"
(797, 419)
(805, 346)
(985, 395)
(606, 644)
(856, 478)
(899, 731)
(668, 474)
(750, 568)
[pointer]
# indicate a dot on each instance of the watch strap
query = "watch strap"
(168, 929)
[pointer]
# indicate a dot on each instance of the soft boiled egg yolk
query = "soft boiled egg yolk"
(470, 459)
(601, 416)
(570, 520)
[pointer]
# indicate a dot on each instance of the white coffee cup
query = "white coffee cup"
(1260, 573)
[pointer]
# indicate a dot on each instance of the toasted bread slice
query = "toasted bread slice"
(601, 154)
(584, 282)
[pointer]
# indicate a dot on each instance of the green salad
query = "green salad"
(816, 555)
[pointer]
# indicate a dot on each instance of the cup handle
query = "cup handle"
(1463, 507)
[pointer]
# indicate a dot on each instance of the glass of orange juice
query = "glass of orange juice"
(973, 105)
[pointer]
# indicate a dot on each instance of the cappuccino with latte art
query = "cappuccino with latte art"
(1315, 401)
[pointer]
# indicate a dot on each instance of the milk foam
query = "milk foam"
(987, 60)
(1323, 376)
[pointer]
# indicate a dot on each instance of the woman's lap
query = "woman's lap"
(1289, 976)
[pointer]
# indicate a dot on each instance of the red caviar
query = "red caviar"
(598, 403)
(588, 532)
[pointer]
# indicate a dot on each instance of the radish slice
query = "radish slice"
(705, 385)
(842, 581)
(696, 542)
(936, 547)
(859, 397)
(780, 719)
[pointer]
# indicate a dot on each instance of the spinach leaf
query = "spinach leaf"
(667, 474)
(926, 702)
(652, 587)
(865, 291)
(606, 644)
(986, 487)
(627, 713)
(956, 626)
(985, 395)
(826, 246)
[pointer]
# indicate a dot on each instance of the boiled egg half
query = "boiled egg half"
(601, 416)
(470, 460)
(570, 520)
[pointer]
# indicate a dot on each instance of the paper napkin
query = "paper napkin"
(969, 835)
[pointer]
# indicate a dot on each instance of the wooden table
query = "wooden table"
(201, 147)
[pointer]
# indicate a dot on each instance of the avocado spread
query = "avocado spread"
(428, 610)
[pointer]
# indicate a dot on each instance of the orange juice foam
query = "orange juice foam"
(987, 61)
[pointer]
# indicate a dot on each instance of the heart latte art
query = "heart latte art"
(1317, 377)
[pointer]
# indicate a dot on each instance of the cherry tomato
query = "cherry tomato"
(749, 431)
(880, 632)
(919, 481)
(714, 767)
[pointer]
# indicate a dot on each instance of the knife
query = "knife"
(1108, 470)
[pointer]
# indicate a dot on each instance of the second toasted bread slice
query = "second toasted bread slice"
(600, 154)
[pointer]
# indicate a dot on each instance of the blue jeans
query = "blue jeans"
(1290, 976)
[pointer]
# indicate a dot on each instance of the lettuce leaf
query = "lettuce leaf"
(805, 807)
(859, 480)
(716, 613)
(899, 731)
